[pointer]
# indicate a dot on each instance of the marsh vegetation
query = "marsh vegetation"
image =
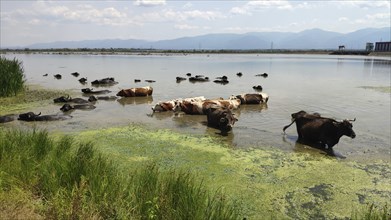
(43, 177)
(11, 77)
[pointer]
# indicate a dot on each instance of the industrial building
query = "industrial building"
(383, 46)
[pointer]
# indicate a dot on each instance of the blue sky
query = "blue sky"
(28, 22)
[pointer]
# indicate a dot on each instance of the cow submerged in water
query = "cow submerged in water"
(31, 116)
(201, 107)
(221, 118)
(316, 129)
(174, 105)
(134, 92)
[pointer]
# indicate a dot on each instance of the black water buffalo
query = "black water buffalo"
(105, 81)
(199, 78)
(221, 118)
(239, 74)
(8, 118)
(83, 80)
(180, 79)
(75, 74)
(222, 80)
(57, 76)
(313, 128)
(64, 99)
(263, 75)
(258, 88)
(31, 116)
(67, 107)
(91, 91)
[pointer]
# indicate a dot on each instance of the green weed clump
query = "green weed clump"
(64, 179)
(373, 212)
(11, 77)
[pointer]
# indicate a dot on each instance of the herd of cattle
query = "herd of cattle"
(311, 128)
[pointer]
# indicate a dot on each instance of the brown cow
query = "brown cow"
(200, 107)
(221, 118)
(134, 92)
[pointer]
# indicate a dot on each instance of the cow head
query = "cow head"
(92, 99)
(241, 98)
(62, 99)
(66, 107)
(122, 93)
(86, 90)
(346, 128)
(221, 118)
(227, 121)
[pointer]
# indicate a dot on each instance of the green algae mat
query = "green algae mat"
(266, 184)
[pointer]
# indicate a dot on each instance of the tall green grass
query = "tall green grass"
(373, 212)
(74, 181)
(11, 77)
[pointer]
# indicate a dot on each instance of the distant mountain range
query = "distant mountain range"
(308, 39)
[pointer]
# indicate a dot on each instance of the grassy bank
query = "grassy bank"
(31, 97)
(164, 175)
(59, 179)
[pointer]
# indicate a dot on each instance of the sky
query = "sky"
(27, 22)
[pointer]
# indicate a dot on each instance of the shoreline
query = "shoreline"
(156, 52)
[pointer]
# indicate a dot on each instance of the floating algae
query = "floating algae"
(385, 89)
(265, 183)
(32, 97)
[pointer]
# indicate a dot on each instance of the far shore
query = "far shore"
(132, 51)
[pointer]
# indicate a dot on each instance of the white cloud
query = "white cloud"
(80, 13)
(170, 15)
(187, 5)
(185, 27)
(279, 4)
(366, 4)
(240, 11)
(251, 6)
(149, 3)
(341, 19)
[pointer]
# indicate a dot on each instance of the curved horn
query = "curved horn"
(352, 120)
(39, 113)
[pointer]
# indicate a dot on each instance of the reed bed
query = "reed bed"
(65, 179)
(12, 77)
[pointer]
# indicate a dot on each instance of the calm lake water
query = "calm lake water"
(334, 86)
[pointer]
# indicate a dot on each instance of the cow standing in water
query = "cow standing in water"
(315, 129)
(221, 118)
